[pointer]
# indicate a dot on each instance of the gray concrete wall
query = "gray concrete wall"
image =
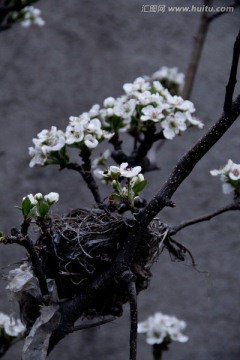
(86, 51)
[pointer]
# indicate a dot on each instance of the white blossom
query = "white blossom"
(109, 102)
(152, 113)
(32, 199)
(31, 15)
(139, 85)
(51, 198)
(170, 74)
(159, 326)
(90, 141)
(38, 157)
(38, 196)
(123, 170)
(173, 125)
(125, 109)
(230, 176)
(11, 326)
(50, 140)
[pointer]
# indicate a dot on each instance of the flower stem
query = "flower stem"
(157, 352)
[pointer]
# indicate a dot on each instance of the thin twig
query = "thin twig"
(196, 53)
(188, 161)
(25, 241)
(233, 76)
(222, 12)
(206, 217)
(89, 326)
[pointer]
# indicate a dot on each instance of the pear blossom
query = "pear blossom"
(94, 111)
(12, 327)
(173, 125)
(152, 113)
(169, 74)
(29, 15)
(159, 328)
(109, 102)
(90, 141)
(46, 143)
(230, 176)
(123, 170)
(139, 85)
(52, 198)
(37, 155)
(32, 199)
(125, 109)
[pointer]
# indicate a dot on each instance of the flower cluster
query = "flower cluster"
(49, 147)
(37, 205)
(83, 131)
(10, 327)
(147, 103)
(27, 16)
(161, 328)
(135, 183)
(230, 176)
(170, 78)
(86, 129)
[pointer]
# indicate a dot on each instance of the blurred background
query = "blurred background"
(85, 53)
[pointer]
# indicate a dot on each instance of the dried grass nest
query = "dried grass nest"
(81, 245)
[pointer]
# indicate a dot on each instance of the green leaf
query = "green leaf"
(139, 186)
(1, 234)
(26, 206)
(43, 210)
(114, 197)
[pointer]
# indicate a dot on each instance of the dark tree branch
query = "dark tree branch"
(87, 176)
(118, 155)
(24, 240)
(90, 326)
(129, 279)
(196, 53)
(207, 217)
(222, 12)
(233, 76)
(187, 163)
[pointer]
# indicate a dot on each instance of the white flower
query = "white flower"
(230, 176)
(32, 15)
(109, 102)
(90, 141)
(38, 196)
(11, 326)
(38, 157)
(51, 198)
(32, 199)
(173, 125)
(50, 140)
(159, 326)
(3, 319)
(139, 85)
(129, 172)
(170, 74)
(94, 111)
(234, 172)
(94, 127)
(14, 327)
(123, 170)
(152, 113)
(125, 109)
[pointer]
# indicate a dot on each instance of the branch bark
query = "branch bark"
(187, 163)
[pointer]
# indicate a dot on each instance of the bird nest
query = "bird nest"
(80, 246)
